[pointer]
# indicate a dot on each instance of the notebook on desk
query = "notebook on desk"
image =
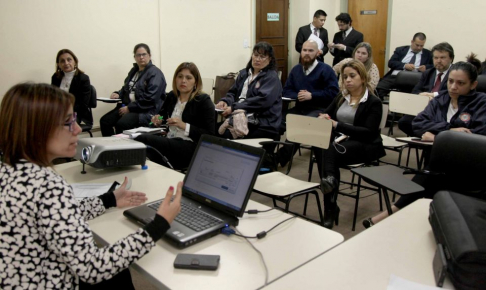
(216, 190)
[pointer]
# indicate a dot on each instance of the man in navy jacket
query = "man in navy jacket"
(413, 57)
(312, 84)
(432, 81)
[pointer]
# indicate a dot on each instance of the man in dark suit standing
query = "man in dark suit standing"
(317, 29)
(433, 80)
(413, 57)
(345, 40)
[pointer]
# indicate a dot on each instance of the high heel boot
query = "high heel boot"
(331, 210)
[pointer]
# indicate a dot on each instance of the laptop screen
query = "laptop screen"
(223, 173)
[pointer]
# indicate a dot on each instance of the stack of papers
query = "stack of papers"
(143, 130)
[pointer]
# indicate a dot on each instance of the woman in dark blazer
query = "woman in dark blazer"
(69, 78)
(257, 90)
(189, 113)
(355, 113)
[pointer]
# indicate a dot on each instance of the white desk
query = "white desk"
(403, 244)
(285, 248)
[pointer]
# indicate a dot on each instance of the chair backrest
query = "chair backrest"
(481, 84)
(384, 116)
(309, 130)
(223, 85)
(462, 158)
(208, 85)
(409, 104)
(406, 80)
(92, 101)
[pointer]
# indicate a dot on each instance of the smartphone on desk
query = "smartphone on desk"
(197, 262)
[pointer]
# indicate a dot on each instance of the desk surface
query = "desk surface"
(390, 177)
(403, 245)
(284, 249)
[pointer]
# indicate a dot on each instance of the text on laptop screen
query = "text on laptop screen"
(222, 174)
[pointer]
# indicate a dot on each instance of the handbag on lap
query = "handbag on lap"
(459, 225)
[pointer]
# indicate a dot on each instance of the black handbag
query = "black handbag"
(459, 225)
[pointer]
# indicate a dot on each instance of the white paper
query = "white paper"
(320, 44)
(398, 283)
(142, 130)
(108, 99)
(84, 190)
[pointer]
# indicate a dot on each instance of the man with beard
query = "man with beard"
(432, 81)
(313, 84)
(345, 40)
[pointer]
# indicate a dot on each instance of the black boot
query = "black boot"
(331, 210)
(329, 184)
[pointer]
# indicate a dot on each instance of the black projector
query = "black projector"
(106, 152)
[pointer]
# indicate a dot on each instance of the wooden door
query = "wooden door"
(370, 18)
(272, 27)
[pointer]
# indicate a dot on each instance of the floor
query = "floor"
(368, 204)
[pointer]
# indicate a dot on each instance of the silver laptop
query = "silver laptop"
(216, 190)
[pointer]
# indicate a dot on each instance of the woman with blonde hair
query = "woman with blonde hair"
(364, 54)
(189, 112)
(356, 114)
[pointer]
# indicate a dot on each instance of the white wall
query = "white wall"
(209, 33)
(459, 23)
(103, 33)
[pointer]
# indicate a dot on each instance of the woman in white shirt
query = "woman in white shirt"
(188, 112)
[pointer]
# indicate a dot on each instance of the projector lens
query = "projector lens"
(86, 154)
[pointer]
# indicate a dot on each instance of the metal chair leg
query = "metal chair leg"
(356, 204)
(387, 201)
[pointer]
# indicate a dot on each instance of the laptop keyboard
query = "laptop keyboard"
(192, 217)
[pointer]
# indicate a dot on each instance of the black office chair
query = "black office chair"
(87, 126)
(406, 80)
(460, 160)
(481, 84)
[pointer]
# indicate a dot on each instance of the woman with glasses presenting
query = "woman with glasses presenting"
(142, 95)
(257, 90)
(44, 235)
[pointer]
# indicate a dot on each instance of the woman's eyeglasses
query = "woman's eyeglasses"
(260, 56)
(71, 123)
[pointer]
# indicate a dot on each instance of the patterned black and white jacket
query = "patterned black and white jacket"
(45, 241)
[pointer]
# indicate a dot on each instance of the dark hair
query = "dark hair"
(444, 46)
(466, 67)
(197, 78)
(141, 45)
(264, 48)
(59, 72)
(30, 114)
(344, 17)
(472, 59)
(419, 35)
(320, 13)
